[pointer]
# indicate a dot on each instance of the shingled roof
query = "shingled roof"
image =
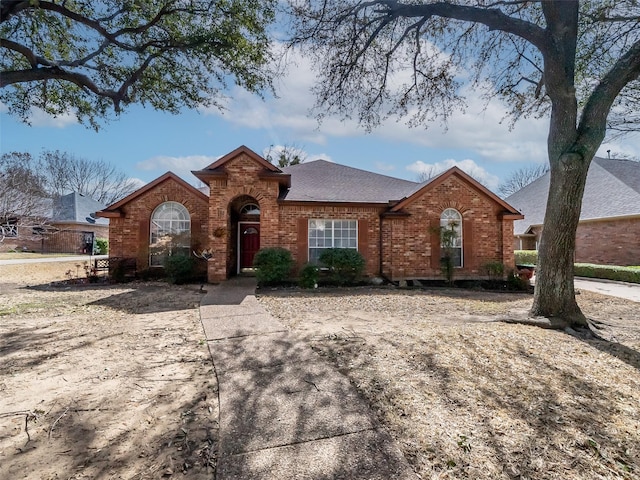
(612, 190)
(77, 208)
(324, 181)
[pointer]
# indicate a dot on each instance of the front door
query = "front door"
(249, 243)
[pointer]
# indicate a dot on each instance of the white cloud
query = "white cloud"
(181, 166)
(384, 167)
(40, 118)
(468, 166)
(481, 128)
(624, 147)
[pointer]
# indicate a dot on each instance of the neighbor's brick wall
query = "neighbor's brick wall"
(610, 242)
(67, 240)
(129, 234)
(410, 245)
(293, 234)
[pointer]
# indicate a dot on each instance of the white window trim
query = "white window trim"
(151, 220)
(461, 236)
(332, 220)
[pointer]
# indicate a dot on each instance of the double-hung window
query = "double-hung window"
(325, 234)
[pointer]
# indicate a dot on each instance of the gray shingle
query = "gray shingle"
(323, 181)
(612, 190)
(75, 207)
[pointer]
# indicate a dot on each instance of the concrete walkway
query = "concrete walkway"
(284, 412)
(630, 291)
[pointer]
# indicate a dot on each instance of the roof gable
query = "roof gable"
(113, 210)
(236, 153)
(439, 179)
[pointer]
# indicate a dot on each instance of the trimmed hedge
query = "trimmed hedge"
(179, 269)
(273, 265)
(610, 272)
(345, 265)
(526, 257)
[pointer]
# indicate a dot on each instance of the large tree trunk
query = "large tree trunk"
(554, 293)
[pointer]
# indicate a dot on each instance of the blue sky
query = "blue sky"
(145, 143)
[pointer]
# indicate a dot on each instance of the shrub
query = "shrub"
(516, 282)
(273, 265)
(102, 246)
(179, 268)
(609, 272)
(526, 257)
(309, 275)
(345, 265)
(494, 269)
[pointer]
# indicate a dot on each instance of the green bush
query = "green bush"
(309, 276)
(609, 272)
(102, 246)
(517, 283)
(494, 269)
(273, 265)
(526, 257)
(179, 268)
(345, 265)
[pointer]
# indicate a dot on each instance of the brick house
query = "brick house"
(394, 223)
(609, 228)
(65, 224)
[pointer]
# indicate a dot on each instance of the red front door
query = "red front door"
(249, 243)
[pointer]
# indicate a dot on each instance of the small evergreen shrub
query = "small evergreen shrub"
(179, 269)
(526, 257)
(609, 272)
(273, 265)
(102, 246)
(517, 283)
(345, 265)
(309, 276)
(494, 269)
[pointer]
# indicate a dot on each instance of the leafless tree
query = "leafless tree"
(285, 155)
(65, 173)
(575, 61)
(521, 178)
(24, 205)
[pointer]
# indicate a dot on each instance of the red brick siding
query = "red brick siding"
(368, 217)
(407, 242)
(610, 242)
(129, 234)
(242, 179)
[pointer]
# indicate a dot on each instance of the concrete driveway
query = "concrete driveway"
(630, 291)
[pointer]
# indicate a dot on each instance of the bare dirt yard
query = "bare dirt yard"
(100, 381)
(467, 397)
(115, 382)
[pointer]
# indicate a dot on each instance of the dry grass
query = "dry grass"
(102, 381)
(469, 398)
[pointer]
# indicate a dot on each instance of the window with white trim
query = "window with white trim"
(170, 233)
(451, 236)
(325, 234)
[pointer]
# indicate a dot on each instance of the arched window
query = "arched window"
(451, 236)
(250, 209)
(170, 231)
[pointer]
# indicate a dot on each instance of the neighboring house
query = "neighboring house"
(68, 224)
(393, 223)
(609, 228)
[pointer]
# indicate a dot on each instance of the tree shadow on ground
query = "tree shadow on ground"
(467, 415)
